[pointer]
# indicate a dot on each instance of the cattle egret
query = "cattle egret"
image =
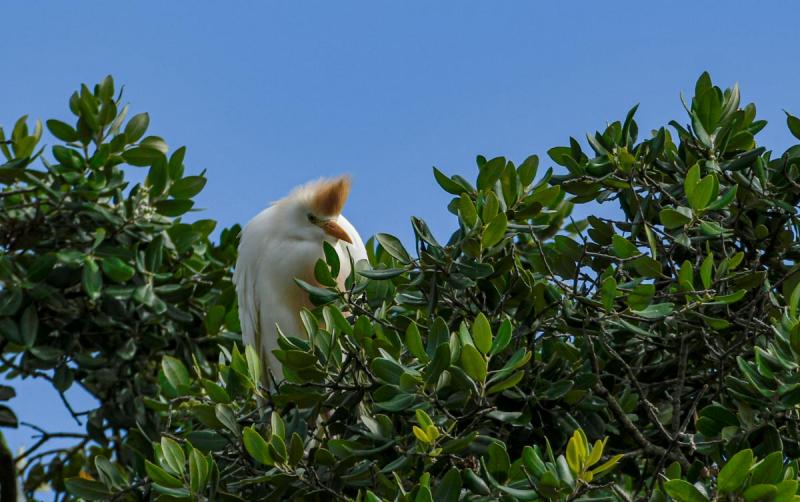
(283, 243)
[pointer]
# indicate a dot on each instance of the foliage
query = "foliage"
(651, 354)
(100, 279)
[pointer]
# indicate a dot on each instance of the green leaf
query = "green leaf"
(62, 131)
(157, 178)
(449, 488)
(87, 489)
(711, 228)
(502, 339)
(109, 474)
(447, 184)
(188, 187)
(655, 311)
(253, 363)
(216, 392)
(473, 363)
(527, 170)
(318, 295)
(466, 208)
(692, 178)
(174, 457)
(371, 497)
(175, 166)
(735, 471)
(755, 493)
(608, 292)
(173, 207)
(423, 495)
(482, 333)
(794, 125)
(387, 370)
(622, 247)
(728, 299)
(141, 156)
(674, 218)
(495, 231)
(10, 330)
(768, 470)
(8, 418)
(607, 465)
(29, 326)
(702, 193)
(198, 471)
(331, 258)
(381, 273)
(706, 269)
(498, 462)
(322, 273)
(117, 270)
(136, 127)
(491, 206)
(207, 440)
(723, 201)
(92, 280)
(490, 172)
(397, 403)
(439, 363)
(647, 267)
(296, 449)
(256, 446)
(794, 300)
(509, 382)
(414, 343)
(160, 476)
(394, 247)
(787, 489)
(684, 491)
(175, 372)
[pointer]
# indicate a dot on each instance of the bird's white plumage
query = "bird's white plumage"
(277, 246)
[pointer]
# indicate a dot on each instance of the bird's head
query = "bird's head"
(314, 209)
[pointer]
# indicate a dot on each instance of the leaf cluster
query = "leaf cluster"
(648, 354)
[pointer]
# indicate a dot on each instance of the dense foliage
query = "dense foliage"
(648, 354)
(99, 279)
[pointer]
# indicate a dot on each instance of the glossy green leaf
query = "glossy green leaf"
(494, 231)
(62, 131)
(683, 491)
(674, 218)
(136, 127)
(735, 471)
(256, 446)
(482, 333)
(87, 489)
(473, 363)
(394, 247)
(92, 280)
(117, 270)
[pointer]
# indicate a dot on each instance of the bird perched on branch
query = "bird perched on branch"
(283, 243)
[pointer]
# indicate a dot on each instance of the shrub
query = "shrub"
(651, 353)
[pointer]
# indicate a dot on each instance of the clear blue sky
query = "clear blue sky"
(267, 95)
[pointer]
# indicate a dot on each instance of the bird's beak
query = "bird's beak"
(335, 230)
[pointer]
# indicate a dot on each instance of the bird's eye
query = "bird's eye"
(311, 218)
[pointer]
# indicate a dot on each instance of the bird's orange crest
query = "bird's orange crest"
(330, 196)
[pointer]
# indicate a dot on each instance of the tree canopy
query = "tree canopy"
(648, 353)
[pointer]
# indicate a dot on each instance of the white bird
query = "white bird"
(284, 242)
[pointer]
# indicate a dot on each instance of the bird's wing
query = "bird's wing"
(245, 276)
(267, 294)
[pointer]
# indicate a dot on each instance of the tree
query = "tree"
(101, 279)
(649, 355)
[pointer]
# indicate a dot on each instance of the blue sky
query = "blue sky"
(266, 95)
